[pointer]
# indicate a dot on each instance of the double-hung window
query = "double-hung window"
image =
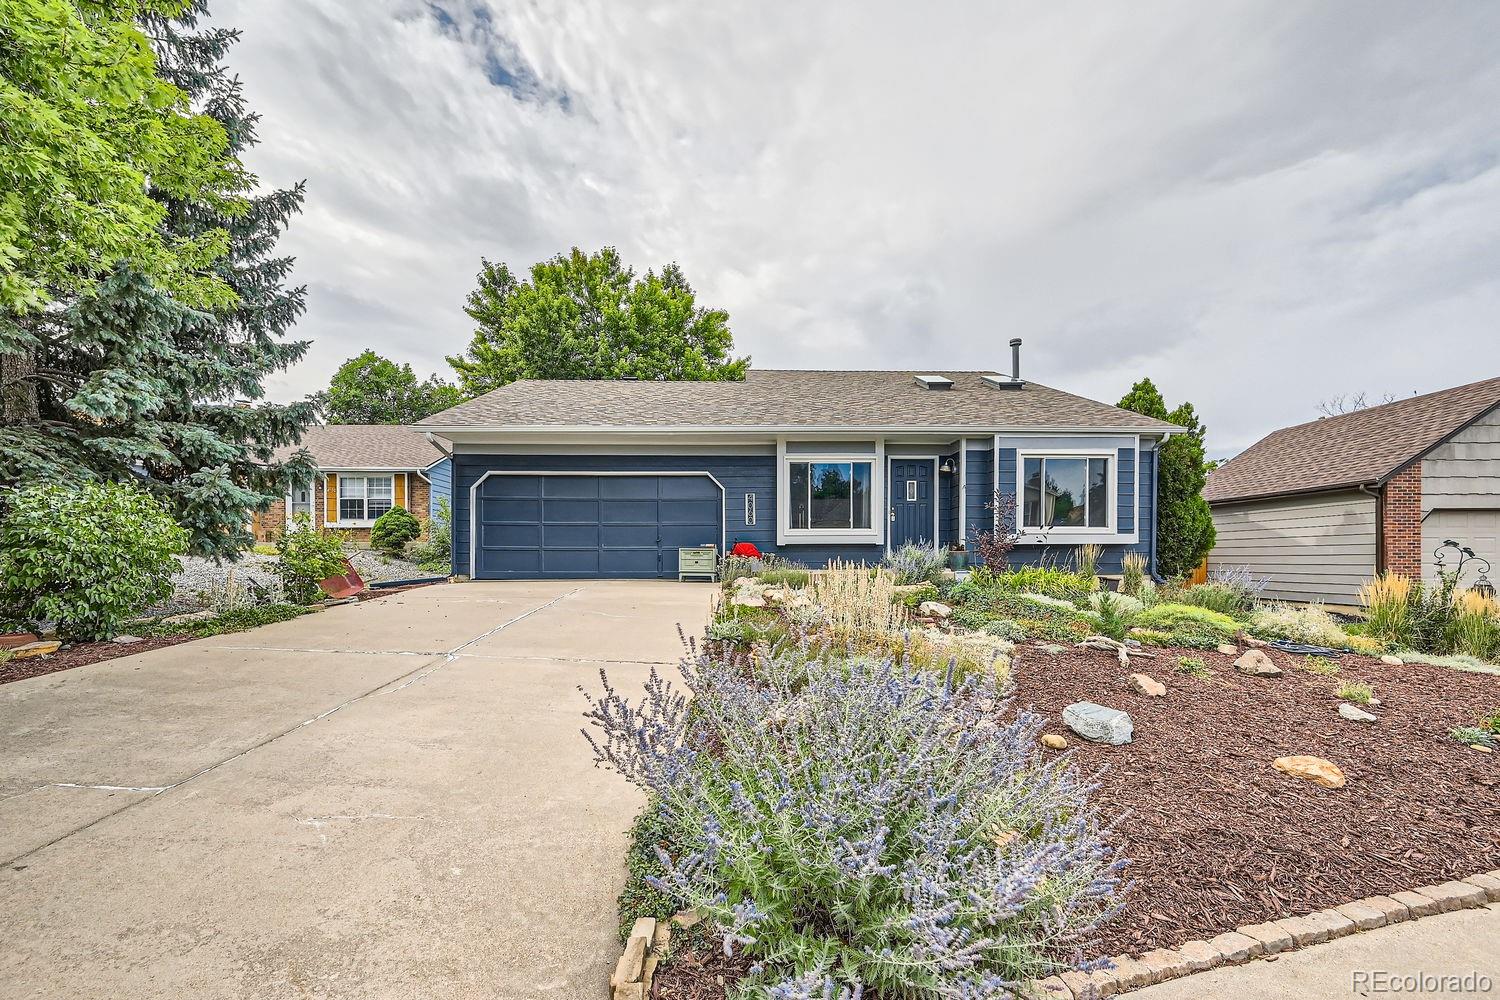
(364, 498)
(1065, 491)
(829, 496)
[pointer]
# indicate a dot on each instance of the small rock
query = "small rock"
(1481, 748)
(1055, 741)
(934, 609)
(1147, 686)
(1392, 661)
(949, 574)
(740, 600)
(1229, 650)
(1249, 640)
(1004, 837)
(1051, 647)
(126, 640)
(1314, 769)
(1098, 723)
(1354, 713)
(1256, 664)
(31, 649)
(686, 918)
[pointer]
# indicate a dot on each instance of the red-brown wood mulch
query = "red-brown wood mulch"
(79, 655)
(1218, 838)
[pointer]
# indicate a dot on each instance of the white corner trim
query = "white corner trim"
(474, 499)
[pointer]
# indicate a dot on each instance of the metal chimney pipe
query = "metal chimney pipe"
(1015, 359)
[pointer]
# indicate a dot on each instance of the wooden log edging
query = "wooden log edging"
(1272, 937)
(649, 938)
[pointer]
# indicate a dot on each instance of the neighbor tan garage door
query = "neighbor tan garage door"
(1478, 529)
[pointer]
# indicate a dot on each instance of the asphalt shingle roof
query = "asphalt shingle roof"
(770, 398)
(1365, 446)
(366, 446)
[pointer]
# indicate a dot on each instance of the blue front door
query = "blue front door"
(911, 495)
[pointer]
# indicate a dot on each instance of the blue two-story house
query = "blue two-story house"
(601, 479)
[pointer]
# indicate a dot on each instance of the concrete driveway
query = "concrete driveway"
(389, 799)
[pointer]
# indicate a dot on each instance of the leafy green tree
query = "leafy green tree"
(589, 316)
(132, 378)
(92, 135)
(370, 389)
(1185, 528)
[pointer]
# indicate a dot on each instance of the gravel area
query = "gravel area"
(204, 575)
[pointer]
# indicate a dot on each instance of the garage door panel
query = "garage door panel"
(1478, 529)
(586, 526)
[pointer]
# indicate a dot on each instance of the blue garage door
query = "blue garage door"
(628, 526)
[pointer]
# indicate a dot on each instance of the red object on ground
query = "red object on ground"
(745, 549)
(348, 584)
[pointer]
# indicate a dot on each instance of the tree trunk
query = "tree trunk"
(18, 395)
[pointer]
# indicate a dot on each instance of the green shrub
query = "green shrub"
(1223, 598)
(1475, 629)
(86, 558)
(1151, 636)
(1114, 617)
(1473, 736)
(1320, 665)
(264, 548)
(1193, 667)
(305, 557)
(784, 576)
(393, 529)
(644, 894)
(924, 592)
(1058, 583)
(435, 552)
(235, 620)
(1132, 574)
(1189, 625)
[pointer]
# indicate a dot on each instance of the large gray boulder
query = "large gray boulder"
(1098, 723)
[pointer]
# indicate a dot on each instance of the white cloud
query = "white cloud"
(1259, 207)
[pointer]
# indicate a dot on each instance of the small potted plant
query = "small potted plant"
(957, 558)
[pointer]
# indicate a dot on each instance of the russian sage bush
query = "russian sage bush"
(858, 825)
(916, 564)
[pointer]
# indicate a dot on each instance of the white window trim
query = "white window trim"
(1040, 536)
(338, 500)
(937, 517)
(875, 534)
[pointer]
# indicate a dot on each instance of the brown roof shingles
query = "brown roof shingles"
(771, 398)
(1363, 447)
(366, 446)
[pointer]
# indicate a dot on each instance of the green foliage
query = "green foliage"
(435, 553)
(1193, 666)
(1052, 582)
(1132, 574)
(925, 592)
(742, 626)
(1357, 692)
(234, 620)
(582, 316)
(1151, 636)
(784, 576)
(393, 529)
(85, 558)
(1220, 597)
(90, 130)
(1114, 617)
(1189, 625)
(1185, 529)
(370, 389)
(649, 833)
(305, 557)
(263, 548)
(1473, 736)
(1320, 665)
(916, 564)
(135, 367)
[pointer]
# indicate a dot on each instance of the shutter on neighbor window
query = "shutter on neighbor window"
(400, 488)
(331, 498)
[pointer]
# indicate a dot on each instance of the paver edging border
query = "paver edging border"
(649, 937)
(1271, 937)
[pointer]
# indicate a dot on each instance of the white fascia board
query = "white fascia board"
(509, 431)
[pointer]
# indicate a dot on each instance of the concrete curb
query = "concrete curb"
(1270, 938)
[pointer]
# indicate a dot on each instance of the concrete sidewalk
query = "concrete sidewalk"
(1464, 943)
(389, 799)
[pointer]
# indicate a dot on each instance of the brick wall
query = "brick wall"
(267, 525)
(1401, 523)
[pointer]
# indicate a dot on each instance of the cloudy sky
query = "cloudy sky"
(1260, 205)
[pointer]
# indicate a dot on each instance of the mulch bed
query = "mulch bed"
(697, 969)
(1218, 838)
(79, 655)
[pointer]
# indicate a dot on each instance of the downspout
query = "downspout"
(1379, 497)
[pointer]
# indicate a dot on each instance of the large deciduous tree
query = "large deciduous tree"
(139, 376)
(583, 316)
(370, 389)
(1185, 528)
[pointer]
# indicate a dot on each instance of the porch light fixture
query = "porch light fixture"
(947, 466)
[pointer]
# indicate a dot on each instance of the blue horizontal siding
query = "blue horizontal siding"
(979, 490)
(441, 478)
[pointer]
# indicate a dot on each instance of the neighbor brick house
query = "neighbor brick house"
(363, 471)
(1320, 508)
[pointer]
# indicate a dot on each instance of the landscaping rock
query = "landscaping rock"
(126, 640)
(1164, 964)
(1489, 883)
(42, 648)
(1455, 895)
(1055, 741)
(1272, 936)
(1199, 955)
(631, 964)
(1257, 664)
(686, 918)
(1315, 769)
(1051, 647)
(1392, 661)
(934, 609)
(1245, 638)
(1129, 974)
(1365, 916)
(1147, 686)
(1054, 988)
(1229, 650)
(1236, 947)
(1355, 714)
(1098, 723)
(1393, 910)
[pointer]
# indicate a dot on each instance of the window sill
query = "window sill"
(348, 524)
(1078, 536)
(847, 537)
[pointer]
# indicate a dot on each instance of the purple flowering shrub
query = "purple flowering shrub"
(856, 825)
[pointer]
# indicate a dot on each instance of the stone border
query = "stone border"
(1273, 937)
(644, 949)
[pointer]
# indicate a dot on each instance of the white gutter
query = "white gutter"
(838, 429)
